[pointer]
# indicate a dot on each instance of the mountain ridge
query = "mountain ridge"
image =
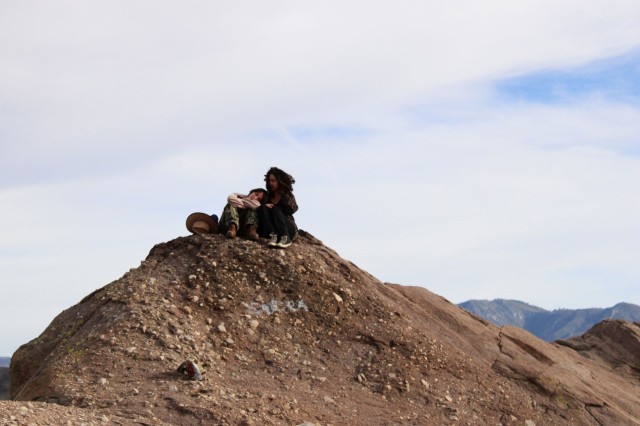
(4, 378)
(548, 324)
(302, 335)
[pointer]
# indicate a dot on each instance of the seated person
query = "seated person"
(240, 216)
(276, 215)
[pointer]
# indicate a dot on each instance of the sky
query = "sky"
(478, 149)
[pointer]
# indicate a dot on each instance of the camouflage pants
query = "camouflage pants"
(239, 217)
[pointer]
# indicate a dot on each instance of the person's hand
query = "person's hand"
(269, 205)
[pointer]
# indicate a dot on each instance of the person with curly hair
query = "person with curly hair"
(276, 220)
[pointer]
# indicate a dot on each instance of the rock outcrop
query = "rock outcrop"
(301, 335)
(613, 343)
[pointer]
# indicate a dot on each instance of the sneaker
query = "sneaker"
(284, 242)
(273, 240)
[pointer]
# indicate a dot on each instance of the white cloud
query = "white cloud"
(119, 119)
(483, 208)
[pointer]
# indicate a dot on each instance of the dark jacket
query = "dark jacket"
(287, 204)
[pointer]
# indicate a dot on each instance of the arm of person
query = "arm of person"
(288, 203)
(250, 203)
(236, 200)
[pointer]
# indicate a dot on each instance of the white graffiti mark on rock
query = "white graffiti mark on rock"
(275, 306)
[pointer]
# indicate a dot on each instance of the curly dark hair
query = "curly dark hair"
(285, 180)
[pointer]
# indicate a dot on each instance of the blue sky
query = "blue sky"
(484, 151)
(614, 79)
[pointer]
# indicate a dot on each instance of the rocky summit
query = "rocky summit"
(302, 336)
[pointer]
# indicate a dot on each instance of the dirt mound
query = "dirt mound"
(286, 337)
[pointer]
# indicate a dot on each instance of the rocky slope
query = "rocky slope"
(548, 325)
(286, 337)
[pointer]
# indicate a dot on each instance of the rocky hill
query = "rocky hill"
(548, 325)
(301, 335)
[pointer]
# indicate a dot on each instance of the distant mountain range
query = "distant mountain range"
(548, 325)
(4, 378)
(4, 383)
